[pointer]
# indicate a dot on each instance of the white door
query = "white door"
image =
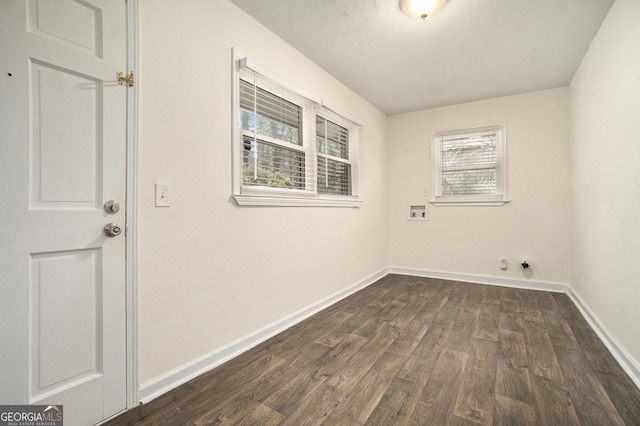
(63, 146)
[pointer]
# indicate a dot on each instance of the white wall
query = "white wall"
(211, 272)
(605, 150)
(533, 225)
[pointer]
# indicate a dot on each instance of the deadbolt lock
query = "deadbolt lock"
(111, 207)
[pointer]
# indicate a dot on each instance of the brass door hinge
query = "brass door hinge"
(128, 79)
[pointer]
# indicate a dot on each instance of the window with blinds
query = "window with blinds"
(469, 165)
(334, 167)
(273, 149)
(289, 147)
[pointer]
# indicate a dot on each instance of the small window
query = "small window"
(289, 149)
(272, 129)
(334, 165)
(469, 166)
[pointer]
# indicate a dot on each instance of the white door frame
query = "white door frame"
(131, 231)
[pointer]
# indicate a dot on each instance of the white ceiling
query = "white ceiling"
(474, 49)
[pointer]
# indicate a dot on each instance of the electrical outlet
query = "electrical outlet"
(503, 264)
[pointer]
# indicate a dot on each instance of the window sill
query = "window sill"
(282, 201)
(468, 203)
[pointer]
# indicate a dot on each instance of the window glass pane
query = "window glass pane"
(272, 116)
(247, 102)
(265, 164)
(321, 134)
(469, 182)
(469, 151)
(334, 177)
(332, 139)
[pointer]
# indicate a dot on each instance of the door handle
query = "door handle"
(112, 230)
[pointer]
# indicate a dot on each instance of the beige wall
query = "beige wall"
(533, 225)
(211, 272)
(605, 144)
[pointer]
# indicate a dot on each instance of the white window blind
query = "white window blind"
(272, 137)
(270, 115)
(289, 146)
(470, 165)
(334, 165)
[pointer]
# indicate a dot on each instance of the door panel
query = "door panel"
(63, 138)
(65, 313)
(67, 142)
(72, 23)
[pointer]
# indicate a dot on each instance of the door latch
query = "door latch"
(129, 79)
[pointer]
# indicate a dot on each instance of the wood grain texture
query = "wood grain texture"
(512, 373)
(364, 396)
(421, 363)
(363, 360)
(415, 351)
(509, 412)
(439, 394)
(510, 311)
(397, 404)
(552, 402)
(623, 395)
(261, 415)
(541, 357)
(477, 393)
(488, 326)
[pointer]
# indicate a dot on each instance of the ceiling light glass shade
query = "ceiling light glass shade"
(420, 10)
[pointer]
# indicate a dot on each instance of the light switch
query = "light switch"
(163, 195)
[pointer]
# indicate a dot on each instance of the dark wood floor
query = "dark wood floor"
(419, 351)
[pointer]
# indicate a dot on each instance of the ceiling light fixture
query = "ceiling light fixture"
(420, 10)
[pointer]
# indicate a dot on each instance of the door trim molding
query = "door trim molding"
(133, 387)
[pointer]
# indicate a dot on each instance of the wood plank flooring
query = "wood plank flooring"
(416, 351)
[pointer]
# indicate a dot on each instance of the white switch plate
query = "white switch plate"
(163, 195)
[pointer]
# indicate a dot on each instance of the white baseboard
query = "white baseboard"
(626, 361)
(182, 374)
(482, 279)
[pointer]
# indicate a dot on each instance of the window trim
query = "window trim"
(279, 197)
(501, 168)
